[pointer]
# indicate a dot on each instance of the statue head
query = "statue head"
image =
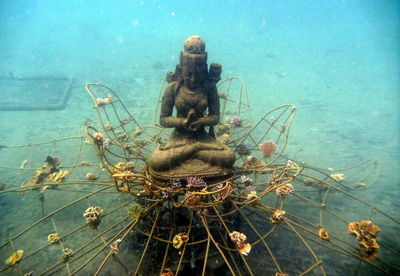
(193, 62)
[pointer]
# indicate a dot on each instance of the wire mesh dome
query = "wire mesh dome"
(99, 211)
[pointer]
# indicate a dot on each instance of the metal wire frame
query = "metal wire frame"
(217, 222)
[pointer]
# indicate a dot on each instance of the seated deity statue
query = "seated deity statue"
(192, 148)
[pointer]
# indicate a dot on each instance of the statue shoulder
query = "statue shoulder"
(172, 89)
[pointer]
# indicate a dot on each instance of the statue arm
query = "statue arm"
(167, 106)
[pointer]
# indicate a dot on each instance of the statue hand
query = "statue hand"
(196, 124)
(188, 121)
(190, 126)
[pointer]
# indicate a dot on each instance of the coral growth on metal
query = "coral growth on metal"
(271, 217)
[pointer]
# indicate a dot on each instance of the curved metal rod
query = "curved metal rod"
(205, 224)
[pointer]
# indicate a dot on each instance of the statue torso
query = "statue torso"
(186, 100)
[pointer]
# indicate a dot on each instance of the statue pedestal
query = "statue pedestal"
(193, 167)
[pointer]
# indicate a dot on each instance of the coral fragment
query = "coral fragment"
(267, 148)
(98, 138)
(239, 239)
(53, 238)
(277, 216)
(284, 190)
(180, 239)
(337, 176)
(365, 232)
(92, 215)
(115, 246)
(15, 257)
(58, 176)
(67, 254)
(323, 234)
(236, 122)
(103, 101)
(196, 182)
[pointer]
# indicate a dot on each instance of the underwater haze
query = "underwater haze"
(337, 61)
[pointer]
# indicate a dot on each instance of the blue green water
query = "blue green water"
(337, 61)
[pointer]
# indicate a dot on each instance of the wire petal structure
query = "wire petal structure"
(271, 217)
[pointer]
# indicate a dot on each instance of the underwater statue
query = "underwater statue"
(191, 149)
